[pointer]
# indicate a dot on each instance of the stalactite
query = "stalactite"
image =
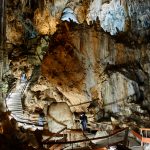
(29, 3)
(41, 5)
(24, 3)
(52, 1)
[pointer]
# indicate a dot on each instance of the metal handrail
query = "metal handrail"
(47, 140)
(27, 121)
(84, 140)
(140, 137)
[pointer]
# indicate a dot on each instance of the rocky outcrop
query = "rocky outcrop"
(31, 18)
(117, 89)
(82, 65)
(59, 116)
(121, 15)
(97, 59)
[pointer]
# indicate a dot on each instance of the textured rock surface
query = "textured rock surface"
(113, 15)
(59, 116)
(116, 89)
(120, 15)
(42, 17)
(81, 65)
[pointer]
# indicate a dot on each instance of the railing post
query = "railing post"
(126, 137)
(70, 137)
(108, 142)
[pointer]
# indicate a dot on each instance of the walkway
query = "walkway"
(14, 105)
(119, 136)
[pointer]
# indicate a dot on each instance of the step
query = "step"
(14, 98)
(20, 110)
(14, 108)
(16, 101)
(14, 104)
(11, 101)
(20, 116)
(16, 111)
(14, 94)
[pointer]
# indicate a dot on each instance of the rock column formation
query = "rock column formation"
(3, 53)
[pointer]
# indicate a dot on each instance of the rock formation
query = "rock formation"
(81, 56)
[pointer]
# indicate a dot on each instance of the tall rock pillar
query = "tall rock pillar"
(3, 52)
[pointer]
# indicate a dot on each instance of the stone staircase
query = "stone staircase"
(14, 105)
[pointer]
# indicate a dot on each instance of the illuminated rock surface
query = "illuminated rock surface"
(81, 56)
